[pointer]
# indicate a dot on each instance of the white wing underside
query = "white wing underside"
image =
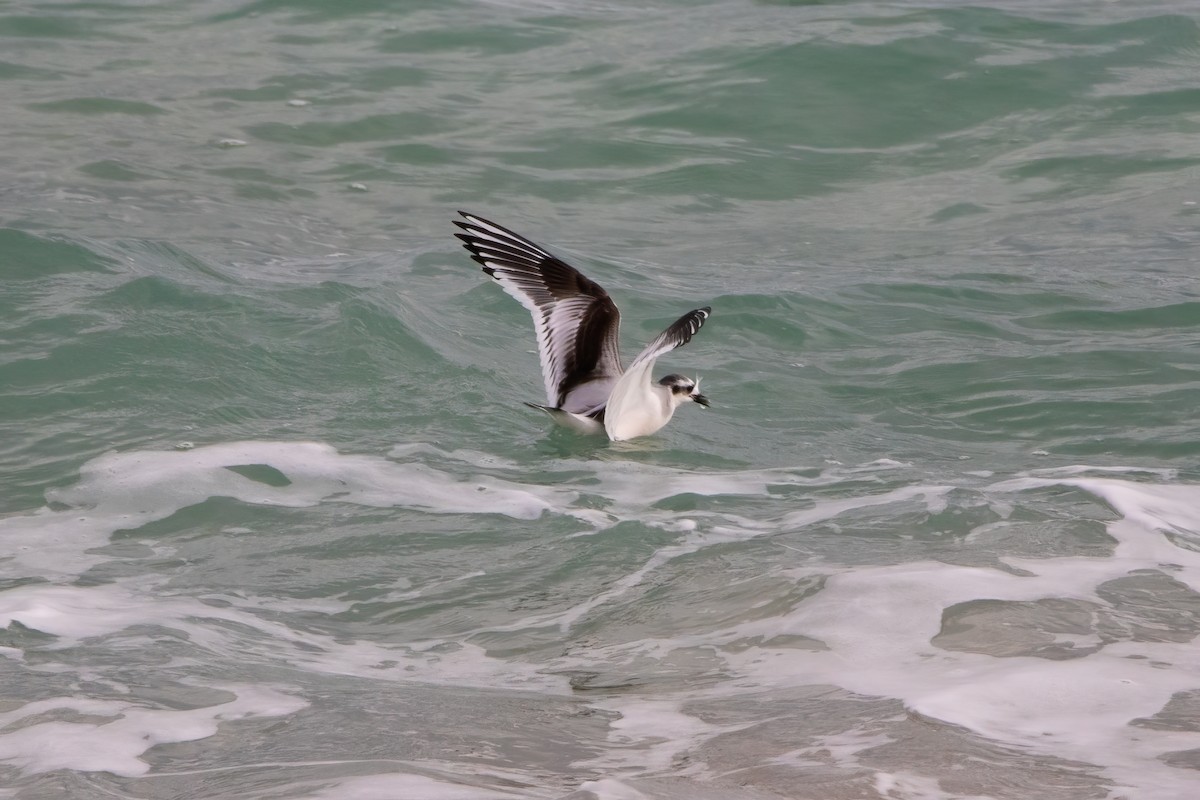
(557, 327)
(562, 302)
(634, 407)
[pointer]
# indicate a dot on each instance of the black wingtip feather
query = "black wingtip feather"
(472, 244)
(695, 319)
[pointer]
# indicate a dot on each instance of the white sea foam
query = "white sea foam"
(125, 491)
(831, 508)
(402, 785)
(231, 631)
(661, 732)
(150, 482)
(223, 634)
(910, 786)
(126, 731)
(879, 624)
(664, 789)
(606, 789)
(723, 530)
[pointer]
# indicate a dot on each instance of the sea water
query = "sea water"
(274, 522)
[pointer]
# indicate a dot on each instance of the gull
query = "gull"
(576, 324)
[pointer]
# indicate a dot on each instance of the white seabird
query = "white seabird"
(576, 324)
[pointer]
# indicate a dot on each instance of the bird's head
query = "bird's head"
(683, 389)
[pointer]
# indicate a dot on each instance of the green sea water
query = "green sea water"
(274, 522)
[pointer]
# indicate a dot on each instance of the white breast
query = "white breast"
(639, 413)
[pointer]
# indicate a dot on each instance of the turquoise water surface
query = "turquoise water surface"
(274, 522)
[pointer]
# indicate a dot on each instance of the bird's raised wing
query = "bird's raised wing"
(678, 334)
(575, 319)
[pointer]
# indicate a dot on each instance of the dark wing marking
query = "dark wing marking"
(678, 334)
(575, 319)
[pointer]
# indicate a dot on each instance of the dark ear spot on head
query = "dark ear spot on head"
(678, 384)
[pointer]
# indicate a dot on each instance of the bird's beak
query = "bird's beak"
(701, 399)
